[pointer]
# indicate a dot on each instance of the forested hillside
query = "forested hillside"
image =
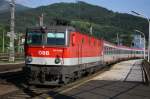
(106, 24)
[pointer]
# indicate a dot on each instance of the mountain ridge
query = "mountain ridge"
(5, 6)
(82, 15)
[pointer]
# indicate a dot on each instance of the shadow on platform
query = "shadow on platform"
(100, 89)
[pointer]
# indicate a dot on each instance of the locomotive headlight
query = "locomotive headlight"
(28, 59)
(57, 60)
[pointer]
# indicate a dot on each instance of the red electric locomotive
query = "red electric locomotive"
(59, 54)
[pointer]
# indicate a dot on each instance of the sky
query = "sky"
(124, 6)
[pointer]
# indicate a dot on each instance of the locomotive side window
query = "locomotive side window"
(82, 40)
(89, 42)
(94, 43)
(55, 39)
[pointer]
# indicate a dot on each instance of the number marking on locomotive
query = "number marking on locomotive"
(43, 53)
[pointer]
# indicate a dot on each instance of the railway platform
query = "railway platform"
(5, 70)
(125, 80)
(8, 67)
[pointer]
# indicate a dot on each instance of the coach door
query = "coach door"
(80, 53)
(80, 50)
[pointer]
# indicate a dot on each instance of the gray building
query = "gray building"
(138, 41)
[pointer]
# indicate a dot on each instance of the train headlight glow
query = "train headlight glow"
(57, 60)
(28, 59)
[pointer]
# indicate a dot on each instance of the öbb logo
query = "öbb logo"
(43, 52)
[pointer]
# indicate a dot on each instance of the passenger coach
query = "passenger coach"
(113, 53)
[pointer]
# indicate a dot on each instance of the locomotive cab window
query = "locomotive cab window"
(55, 39)
(47, 38)
(34, 38)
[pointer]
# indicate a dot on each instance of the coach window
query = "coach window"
(104, 50)
(123, 51)
(139, 52)
(116, 51)
(107, 50)
(119, 51)
(111, 50)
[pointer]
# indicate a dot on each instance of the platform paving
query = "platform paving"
(123, 81)
(11, 67)
(12, 63)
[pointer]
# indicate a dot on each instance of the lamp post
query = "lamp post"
(3, 48)
(148, 32)
(144, 41)
(11, 33)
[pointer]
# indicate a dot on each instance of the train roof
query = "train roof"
(54, 28)
(59, 29)
(106, 43)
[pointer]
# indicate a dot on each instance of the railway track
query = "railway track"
(26, 91)
(23, 90)
(146, 69)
